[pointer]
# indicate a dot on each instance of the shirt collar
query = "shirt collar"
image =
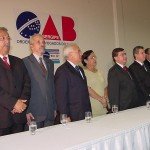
(139, 62)
(37, 57)
(148, 60)
(72, 64)
(3, 56)
(120, 65)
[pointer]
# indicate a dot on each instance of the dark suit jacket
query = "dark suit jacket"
(142, 78)
(121, 88)
(147, 63)
(14, 85)
(71, 92)
(42, 102)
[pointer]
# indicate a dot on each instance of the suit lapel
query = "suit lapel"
(12, 63)
(142, 68)
(36, 64)
(2, 63)
(125, 73)
(72, 69)
(137, 64)
(47, 66)
(121, 69)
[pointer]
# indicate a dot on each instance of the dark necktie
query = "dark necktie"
(77, 68)
(42, 66)
(144, 67)
(6, 62)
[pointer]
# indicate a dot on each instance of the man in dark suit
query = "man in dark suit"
(71, 86)
(42, 104)
(14, 88)
(121, 87)
(141, 73)
(147, 57)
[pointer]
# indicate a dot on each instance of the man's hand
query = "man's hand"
(55, 114)
(68, 119)
(29, 117)
(20, 106)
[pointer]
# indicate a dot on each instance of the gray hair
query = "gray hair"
(32, 37)
(68, 48)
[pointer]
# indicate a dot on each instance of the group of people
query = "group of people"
(129, 88)
(30, 90)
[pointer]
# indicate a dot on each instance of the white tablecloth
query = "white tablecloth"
(127, 130)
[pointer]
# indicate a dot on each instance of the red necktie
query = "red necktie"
(125, 69)
(6, 62)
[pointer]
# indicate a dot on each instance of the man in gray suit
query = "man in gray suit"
(41, 71)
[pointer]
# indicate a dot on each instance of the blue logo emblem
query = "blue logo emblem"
(28, 24)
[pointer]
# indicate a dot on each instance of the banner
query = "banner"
(57, 31)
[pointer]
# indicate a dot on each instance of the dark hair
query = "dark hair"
(115, 52)
(85, 55)
(147, 50)
(136, 50)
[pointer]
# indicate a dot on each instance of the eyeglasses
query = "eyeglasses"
(2, 38)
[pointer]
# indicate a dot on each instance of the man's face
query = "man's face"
(140, 56)
(148, 55)
(4, 43)
(121, 58)
(75, 55)
(38, 45)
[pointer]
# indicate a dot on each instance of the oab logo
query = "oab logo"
(28, 24)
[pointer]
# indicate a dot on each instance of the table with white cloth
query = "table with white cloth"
(126, 130)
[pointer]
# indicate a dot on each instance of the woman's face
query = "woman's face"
(91, 60)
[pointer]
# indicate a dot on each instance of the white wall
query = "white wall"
(134, 24)
(99, 27)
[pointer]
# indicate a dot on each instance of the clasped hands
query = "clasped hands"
(20, 106)
(103, 101)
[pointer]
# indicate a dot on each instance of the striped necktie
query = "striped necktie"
(77, 68)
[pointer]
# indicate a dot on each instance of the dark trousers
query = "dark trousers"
(15, 128)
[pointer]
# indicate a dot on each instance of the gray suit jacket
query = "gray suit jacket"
(42, 102)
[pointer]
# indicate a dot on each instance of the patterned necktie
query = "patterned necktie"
(6, 62)
(42, 66)
(77, 68)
